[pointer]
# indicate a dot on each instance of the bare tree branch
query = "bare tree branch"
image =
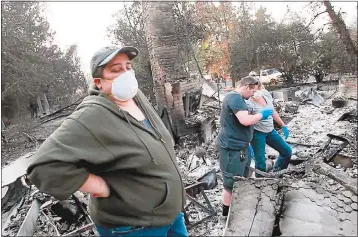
(315, 17)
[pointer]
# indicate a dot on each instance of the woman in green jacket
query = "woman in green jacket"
(115, 147)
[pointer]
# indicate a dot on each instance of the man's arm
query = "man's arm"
(246, 119)
(240, 108)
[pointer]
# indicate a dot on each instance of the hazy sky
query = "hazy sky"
(85, 23)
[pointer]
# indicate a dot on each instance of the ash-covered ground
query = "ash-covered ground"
(309, 126)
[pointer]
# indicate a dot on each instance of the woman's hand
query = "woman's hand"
(285, 131)
(103, 191)
(96, 186)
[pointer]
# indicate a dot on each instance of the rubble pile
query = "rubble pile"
(312, 127)
(53, 217)
(195, 165)
(208, 111)
(321, 136)
(199, 162)
(19, 142)
(12, 222)
(323, 195)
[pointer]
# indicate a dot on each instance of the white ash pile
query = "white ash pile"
(208, 110)
(312, 118)
(200, 163)
(312, 127)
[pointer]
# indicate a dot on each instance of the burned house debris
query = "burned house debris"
(318, 189)
(316, 195)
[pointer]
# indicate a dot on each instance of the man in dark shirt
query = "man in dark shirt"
(235, 135)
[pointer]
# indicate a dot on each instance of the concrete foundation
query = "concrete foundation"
(309, 213)
(252, 210)
(316, 206)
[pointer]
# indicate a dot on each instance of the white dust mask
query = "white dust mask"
(125, 86)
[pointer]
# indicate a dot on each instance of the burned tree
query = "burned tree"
(341, 29)
(166, 63)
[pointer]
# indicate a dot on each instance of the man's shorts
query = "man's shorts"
(233, 163)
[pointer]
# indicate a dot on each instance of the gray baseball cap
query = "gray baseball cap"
(106, 54)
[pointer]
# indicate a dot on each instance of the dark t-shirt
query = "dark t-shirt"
(233, 134)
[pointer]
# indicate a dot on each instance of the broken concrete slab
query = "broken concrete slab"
(252, 209)
(319, 218)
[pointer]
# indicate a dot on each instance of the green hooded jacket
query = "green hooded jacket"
(138, 164)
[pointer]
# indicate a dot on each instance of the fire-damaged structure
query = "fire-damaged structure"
(318, 190)
(319, 184)
(177, 95)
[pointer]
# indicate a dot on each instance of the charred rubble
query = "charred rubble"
(317, 194)
(320, 182)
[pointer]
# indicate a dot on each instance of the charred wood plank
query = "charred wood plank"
(342, 178)
(28, 226)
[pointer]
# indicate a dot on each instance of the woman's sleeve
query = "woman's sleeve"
(58, 168)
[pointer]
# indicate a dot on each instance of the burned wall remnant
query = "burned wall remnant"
(176, 93)
(165, 62)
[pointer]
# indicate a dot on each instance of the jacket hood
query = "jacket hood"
(100, 98)
(97, 97)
